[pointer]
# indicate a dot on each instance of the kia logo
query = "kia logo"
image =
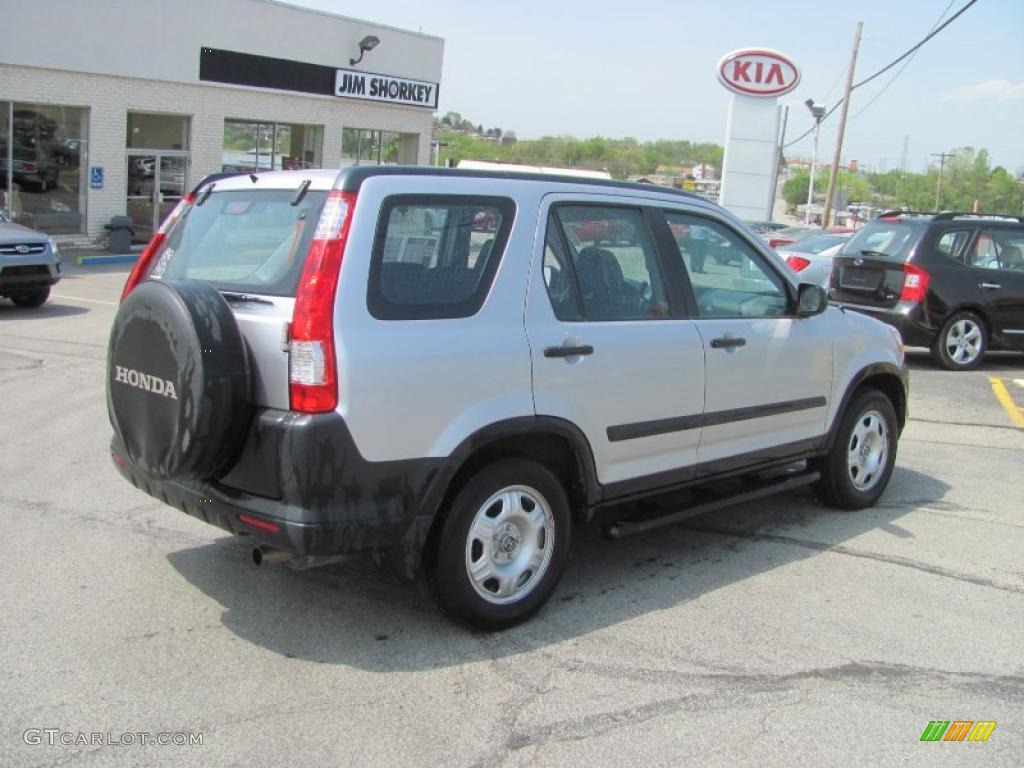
(758, 72)
(22, 248)
(857, 262)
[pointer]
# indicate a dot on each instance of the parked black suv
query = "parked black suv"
(953, 282)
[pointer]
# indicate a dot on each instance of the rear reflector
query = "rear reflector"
(797, 263)
(155, 244)
(312, 366)
(260, 525)
(915, 283)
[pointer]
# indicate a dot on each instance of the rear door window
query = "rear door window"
(614, 262)
(254, 241)
(998, 249)
(435, 257)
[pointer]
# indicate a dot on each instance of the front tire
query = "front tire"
(856, 471)
(502, 547)
(961, 343)
(32, 299)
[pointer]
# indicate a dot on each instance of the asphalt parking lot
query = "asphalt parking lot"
(782, 633)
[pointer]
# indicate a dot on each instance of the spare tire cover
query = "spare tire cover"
(178, 380)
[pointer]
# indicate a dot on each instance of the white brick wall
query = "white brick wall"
(109, 100)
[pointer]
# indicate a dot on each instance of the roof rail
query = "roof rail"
(948, 215)
(897, 212)
(216, 177)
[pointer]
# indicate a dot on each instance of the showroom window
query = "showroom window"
(370, 146)
(256, 146)
(43, 164)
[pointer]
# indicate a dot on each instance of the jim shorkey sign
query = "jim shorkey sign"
(756, 77)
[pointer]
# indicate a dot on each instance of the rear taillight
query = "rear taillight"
(312, 366)
(798, 263)
(154, 245)
(915, 283)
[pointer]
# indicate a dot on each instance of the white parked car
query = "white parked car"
(812, 258)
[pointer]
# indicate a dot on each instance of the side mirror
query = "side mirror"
(811, 300)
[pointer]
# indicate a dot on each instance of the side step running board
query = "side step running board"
(624, 528)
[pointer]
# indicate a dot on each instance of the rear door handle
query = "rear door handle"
(583, 349)
(991, 286)
(727, 342)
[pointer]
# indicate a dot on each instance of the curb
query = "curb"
(107, 258)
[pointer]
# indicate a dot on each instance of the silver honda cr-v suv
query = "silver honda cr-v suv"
(452, 369)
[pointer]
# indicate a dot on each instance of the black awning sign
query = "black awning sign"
(393, 90)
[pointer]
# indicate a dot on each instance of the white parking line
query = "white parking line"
(80, 298)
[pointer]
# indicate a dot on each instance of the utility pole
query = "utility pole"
(942, 164)
(826, 215)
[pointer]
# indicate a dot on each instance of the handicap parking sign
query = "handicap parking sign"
(96, 177)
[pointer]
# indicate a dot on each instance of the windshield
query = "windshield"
(886, 240)
(246, 240)
(815, 244)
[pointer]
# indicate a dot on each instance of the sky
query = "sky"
(647, 68)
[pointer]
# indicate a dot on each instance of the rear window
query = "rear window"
(885, 240)
(435, 257)
(247, 240)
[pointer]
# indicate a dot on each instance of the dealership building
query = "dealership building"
(121, 112)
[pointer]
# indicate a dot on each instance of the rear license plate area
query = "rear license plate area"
(859, 279)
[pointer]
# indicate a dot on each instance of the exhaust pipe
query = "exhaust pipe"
(271, 555)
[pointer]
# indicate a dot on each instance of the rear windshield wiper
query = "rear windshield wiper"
(248, 298)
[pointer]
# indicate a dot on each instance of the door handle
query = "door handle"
(990, 286)
(584, 349)
(727, 342)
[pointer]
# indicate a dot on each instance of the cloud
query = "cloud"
(990, 90)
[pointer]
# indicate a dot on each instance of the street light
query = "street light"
(368, 43)
(818, 113)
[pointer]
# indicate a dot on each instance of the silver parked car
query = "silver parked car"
(29, 264)
(452, 369)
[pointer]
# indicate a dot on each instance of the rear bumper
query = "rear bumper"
(301, 485)
(906, 317)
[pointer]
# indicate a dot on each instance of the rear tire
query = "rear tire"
(33, 299)
(961, 343)
(502, 547)
(856, 471)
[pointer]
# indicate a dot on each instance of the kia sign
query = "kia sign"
(758, 72)
(757, 78)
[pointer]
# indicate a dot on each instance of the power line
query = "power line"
(887, 67)
(911, 51)
(901, 69)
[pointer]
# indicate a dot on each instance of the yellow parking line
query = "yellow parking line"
(1003, 396)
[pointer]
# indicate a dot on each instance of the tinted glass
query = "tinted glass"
(951, 244)
(253, 241)
(885, 240)
(435, 257)
(728, 279)
(615, 262)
